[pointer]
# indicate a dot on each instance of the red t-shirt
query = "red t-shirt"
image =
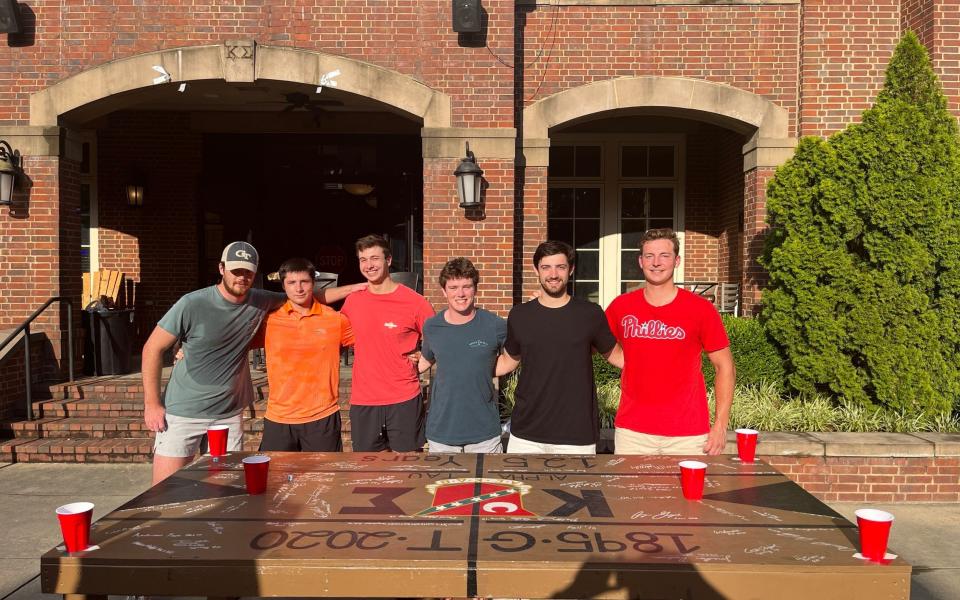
(662, 389)
(386, 328)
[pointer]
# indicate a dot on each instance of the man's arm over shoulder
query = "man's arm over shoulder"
(331, 295)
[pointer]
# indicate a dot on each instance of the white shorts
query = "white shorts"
(184, 436)
(627, 441)
(491, 446)
(517, 445)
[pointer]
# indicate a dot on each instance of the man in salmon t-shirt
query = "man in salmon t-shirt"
(663, 330)
(386, 406)
(303, 340)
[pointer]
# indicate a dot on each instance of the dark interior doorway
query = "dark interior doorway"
(311, 195)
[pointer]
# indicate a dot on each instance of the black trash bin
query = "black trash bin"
(109, 343)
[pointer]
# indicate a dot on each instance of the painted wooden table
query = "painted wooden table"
(440, 525)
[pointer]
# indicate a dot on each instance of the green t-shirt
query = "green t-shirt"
(463, 401)
(213, 378)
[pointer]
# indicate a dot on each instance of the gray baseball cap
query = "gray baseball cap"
(240, 255)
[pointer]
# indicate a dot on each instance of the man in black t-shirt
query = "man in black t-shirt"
(555, 335)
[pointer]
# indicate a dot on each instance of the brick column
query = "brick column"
(536, 152)
(761, 157)
(40, 245)
(485, 234)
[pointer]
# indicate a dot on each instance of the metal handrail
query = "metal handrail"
(25, 328)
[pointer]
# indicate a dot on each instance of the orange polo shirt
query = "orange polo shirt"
(303, 362)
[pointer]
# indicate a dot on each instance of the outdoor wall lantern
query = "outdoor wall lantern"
(9, 171)
(135, 194)
(10, 17)
(469, 180)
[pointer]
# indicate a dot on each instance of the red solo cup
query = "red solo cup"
(255, 472)
(747, 444)
(75, 525)
(692, 474)
(217, 439)
(874, 532)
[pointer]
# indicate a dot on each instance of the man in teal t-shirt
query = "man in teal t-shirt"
(464, 342)
(211, 385)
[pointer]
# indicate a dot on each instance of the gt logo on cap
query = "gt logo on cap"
(243, 254)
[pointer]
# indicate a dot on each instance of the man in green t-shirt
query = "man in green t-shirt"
(211, 385)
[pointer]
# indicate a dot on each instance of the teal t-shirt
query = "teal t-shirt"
(213, 378)
(463, 401)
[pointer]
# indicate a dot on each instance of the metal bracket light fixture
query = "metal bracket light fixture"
(9, 171)
(469, 180)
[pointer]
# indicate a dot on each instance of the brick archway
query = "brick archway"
(712, 101)
(240, 61)
(764, 125)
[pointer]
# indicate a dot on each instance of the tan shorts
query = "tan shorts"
(184, 436)
(516, 445)
(626, 441)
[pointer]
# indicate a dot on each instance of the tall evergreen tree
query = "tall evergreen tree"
(864, 250)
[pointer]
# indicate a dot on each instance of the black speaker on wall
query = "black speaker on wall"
(466, 16)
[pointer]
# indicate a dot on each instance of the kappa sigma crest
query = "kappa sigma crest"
(495, 497)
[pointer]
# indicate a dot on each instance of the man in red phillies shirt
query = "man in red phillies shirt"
(663, 330)
(386, 406)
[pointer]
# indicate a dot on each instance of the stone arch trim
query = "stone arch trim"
(747, 111)
(241, 61)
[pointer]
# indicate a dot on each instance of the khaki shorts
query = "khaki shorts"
(184, 436)
(626, 441)
(516, 445)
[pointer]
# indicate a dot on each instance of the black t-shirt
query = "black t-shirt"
(556, 401)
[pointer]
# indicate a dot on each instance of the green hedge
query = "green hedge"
(755, 355)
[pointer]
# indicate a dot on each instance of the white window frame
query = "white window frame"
(611, 184)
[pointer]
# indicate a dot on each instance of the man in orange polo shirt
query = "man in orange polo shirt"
(302, 340)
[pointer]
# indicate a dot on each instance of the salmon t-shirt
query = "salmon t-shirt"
(387, 328)
(303, 362)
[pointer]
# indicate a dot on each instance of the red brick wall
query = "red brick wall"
(484, 236)
(155, 245)
(918, 16)
(729, 198)
(754, 232)
(413, 37)
(751, 47)
(846, 47)
(945, 50)
(862, 479)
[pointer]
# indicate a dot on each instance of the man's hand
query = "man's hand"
(155, 418)
(716, 439)
(413, 357)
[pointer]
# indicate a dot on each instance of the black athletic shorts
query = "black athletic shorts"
(322, 435)
(397, 427)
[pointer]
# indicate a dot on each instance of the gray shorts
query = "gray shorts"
(184, 436)
(491, 446)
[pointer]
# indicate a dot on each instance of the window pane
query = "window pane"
(630, 265)
(588, 203)
(659, 223)
(631, 232)
(589, 291)
(561, 230)
(629, 286)
(587, 234)
(84, 260)
(588, 161)
(588, 265)
(633, 161)
(661, 203)
(85, 158)
(560, 202)
(561, 161)
(632, 202)
(661, 161)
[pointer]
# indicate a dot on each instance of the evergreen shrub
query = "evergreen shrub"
(864, 252)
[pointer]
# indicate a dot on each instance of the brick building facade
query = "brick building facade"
(592, 120)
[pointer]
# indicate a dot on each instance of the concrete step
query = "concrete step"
(106, 450)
